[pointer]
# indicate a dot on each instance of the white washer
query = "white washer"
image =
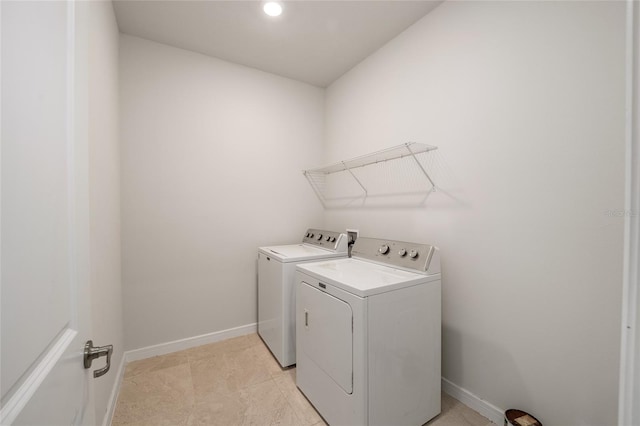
(276, 287)
(368, 334)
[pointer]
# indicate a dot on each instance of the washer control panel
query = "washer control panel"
(326, 239)
(414, 256)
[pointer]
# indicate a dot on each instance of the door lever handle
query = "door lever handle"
(92, 352)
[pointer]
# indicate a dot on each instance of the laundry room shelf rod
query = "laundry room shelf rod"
(405, 150)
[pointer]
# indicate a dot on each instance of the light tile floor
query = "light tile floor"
(233, 382)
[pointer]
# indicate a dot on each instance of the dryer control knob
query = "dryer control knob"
(384, 249)
(333, 239)
(319, 237)
(413, 254)
(328, 238)
(310, 235)
(402, 253)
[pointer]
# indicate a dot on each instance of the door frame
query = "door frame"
(629, 383)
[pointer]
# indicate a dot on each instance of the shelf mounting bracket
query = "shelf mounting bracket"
(356, 179)
(433, 185)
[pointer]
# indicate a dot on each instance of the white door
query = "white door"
(44, 228)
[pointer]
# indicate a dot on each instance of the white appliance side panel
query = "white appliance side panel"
(405, 355)
(327, 335)
(288, 318)
(270, 288)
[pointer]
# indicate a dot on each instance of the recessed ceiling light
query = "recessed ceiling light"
(272, 8)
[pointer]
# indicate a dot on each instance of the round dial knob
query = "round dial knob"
(310, 234)
(384, 249)
(319, 237)
(328, 238)
(402, 253)
(413, 254)
(333, 239)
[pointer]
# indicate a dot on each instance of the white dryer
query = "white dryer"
(368, 334)
(276, 287)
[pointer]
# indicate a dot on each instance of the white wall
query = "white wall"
(104, 194)
(525, 102)
(211, 160)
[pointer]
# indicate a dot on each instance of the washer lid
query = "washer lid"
(298, 253)
(362, 278)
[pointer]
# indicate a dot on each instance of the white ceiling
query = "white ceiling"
(312, 41)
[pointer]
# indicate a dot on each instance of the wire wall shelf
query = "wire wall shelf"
(395, 173)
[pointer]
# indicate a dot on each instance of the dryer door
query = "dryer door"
(327, 334)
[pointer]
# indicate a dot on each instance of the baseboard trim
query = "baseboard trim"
(189, 342)
(490, 411)
(167, 348)
(113, 399)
